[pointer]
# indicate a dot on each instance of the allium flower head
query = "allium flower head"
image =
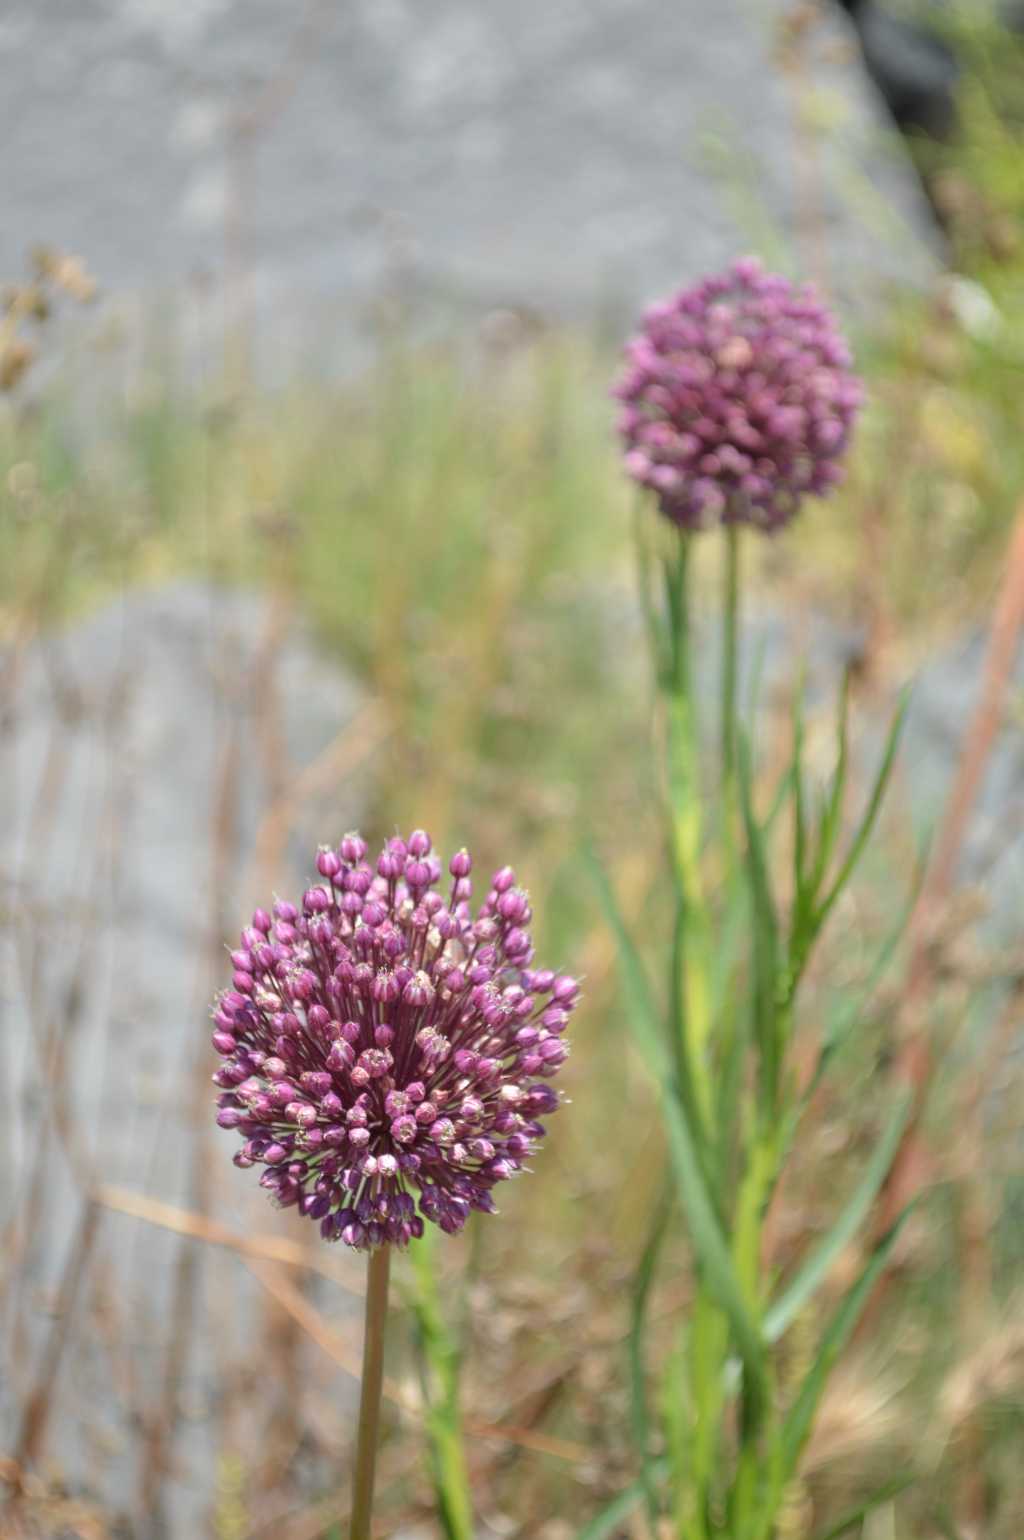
(738, 399)
(379, 1041)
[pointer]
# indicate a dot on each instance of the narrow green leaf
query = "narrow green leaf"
(642, 1013)
(654, 621)
(799, 1419)
(766, 935)
(607, 1522)
(815, 1267)
(799, 815)
(439, 1362)
(867, 823)
(853, 1006)
(642, 1282)
(639, 997)
(832, 814)
(688, 1156)
(712, 1250)
(942, 1518)
(855, 1516)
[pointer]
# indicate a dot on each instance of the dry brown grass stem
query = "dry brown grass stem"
(260, 1247)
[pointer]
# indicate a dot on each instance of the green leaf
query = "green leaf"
(440, 1364)
(637, 992)
(851, 1011)
(699, 1200)
(833, 811)
(712, 1251)
(642, 1012)
(856, 1516)
(766, 934)
(657, 640)
(799, 814)
(867, 823)
(815, 1267)
(943, 1520)
(642, 1281)
(799, 1419)
(607, 1522)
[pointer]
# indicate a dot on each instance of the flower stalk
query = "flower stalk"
(738, 400)
(378, 1269)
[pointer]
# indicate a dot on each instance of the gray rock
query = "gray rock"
(564, 158)
(146, 754)
(945, 699)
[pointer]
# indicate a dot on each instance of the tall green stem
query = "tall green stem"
(377, 1271)
(439, 1364)
(730, 635)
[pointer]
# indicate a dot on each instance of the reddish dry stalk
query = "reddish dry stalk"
(914, 1066)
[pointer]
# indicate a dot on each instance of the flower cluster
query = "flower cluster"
(381, 1040)
(738, 400)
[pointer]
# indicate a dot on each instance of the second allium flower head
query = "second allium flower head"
(738, 400)
(381, 1040)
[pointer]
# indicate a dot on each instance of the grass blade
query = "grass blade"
(688, 1155)
(833, 811)
(871, 812)
(814, 1270)
(607, 1523)
(667, 1069)
(440, 1373)
(638, 1377)
(797, 1425)
(766, 933)
(856, 1516)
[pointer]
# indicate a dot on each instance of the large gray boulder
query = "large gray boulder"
(568, 158)
(164, 766)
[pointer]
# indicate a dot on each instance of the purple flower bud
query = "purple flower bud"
(417, 874)
(328, 862)
(353, 848)
(513, 905)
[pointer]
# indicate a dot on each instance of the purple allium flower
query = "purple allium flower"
(378, 1040)
(738, 399)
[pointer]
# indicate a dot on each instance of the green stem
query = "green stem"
(691, 951)
(439, 1366)
(730, 637)
(377, 1270)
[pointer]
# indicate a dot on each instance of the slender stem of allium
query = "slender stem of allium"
(730, 632)
(377, 1269)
